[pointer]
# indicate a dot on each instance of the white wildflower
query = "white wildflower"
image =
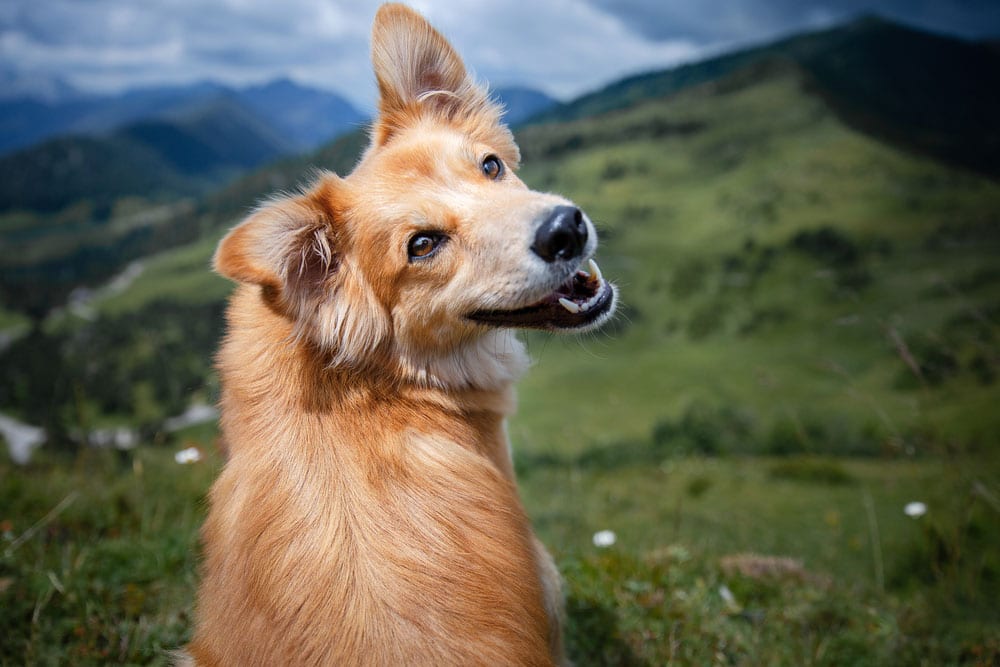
(727, 595)
(604, 538)
(189, 455)
(915, 509)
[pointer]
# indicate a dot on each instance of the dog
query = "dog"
(367, 512)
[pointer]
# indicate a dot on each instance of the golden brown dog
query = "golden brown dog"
(367, 513)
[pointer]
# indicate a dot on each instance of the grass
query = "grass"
(35, 237)
(12, 321)
(98, 559)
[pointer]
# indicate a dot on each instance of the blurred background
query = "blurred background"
(784, 450)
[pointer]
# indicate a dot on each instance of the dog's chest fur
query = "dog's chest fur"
(398, 504)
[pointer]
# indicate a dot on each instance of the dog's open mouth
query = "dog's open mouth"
(582, 302)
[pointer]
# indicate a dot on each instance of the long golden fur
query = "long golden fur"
(367, 513)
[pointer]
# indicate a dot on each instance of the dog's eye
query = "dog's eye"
(424, 244)
(492, 167)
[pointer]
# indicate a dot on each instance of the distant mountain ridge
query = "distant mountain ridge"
(187, 152)
(15, 85)
(521, 102)
(219, 134)
(304, 116)
(932, 93)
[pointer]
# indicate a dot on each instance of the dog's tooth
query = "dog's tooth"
(569, 305)
(595, 270)
(592, 301)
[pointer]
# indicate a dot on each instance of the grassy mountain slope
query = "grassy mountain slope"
(215, 137)
(75, 211)
(934, 94)
(185, 153)
(772, 258)
(57, 173)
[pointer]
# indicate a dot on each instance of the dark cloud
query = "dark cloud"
(562, 46)
(111, 44)
(725, 21)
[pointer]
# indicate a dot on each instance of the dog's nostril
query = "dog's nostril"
(562, 235)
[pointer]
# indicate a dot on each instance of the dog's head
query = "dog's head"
(432, 249)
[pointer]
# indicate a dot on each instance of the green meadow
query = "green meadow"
(722, 560)
(807, 343)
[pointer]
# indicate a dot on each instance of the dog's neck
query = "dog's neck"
(467, 395)
(491, 362)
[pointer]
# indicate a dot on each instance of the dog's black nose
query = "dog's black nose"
(563, 235)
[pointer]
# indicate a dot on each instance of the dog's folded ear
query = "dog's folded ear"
(418, 70)
(284, 245)
(293, 248)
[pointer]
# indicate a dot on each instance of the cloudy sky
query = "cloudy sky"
(564, 47)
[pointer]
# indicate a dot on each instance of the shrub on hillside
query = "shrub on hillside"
(689, 278)
(707, 430)
(828, 245)
(812, 470)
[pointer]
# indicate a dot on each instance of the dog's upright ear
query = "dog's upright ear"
(412, 59)
(419, 72)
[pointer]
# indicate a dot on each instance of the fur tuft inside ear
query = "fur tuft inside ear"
(315, 263)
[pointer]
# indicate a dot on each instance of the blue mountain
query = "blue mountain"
(304, 117)
(190, 150)
(522, 103)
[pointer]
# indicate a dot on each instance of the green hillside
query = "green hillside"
(929, 93)
(52, 176)
(75, 211)
(769, 257)
(772, 258)
(48, 254)
(188, 152)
